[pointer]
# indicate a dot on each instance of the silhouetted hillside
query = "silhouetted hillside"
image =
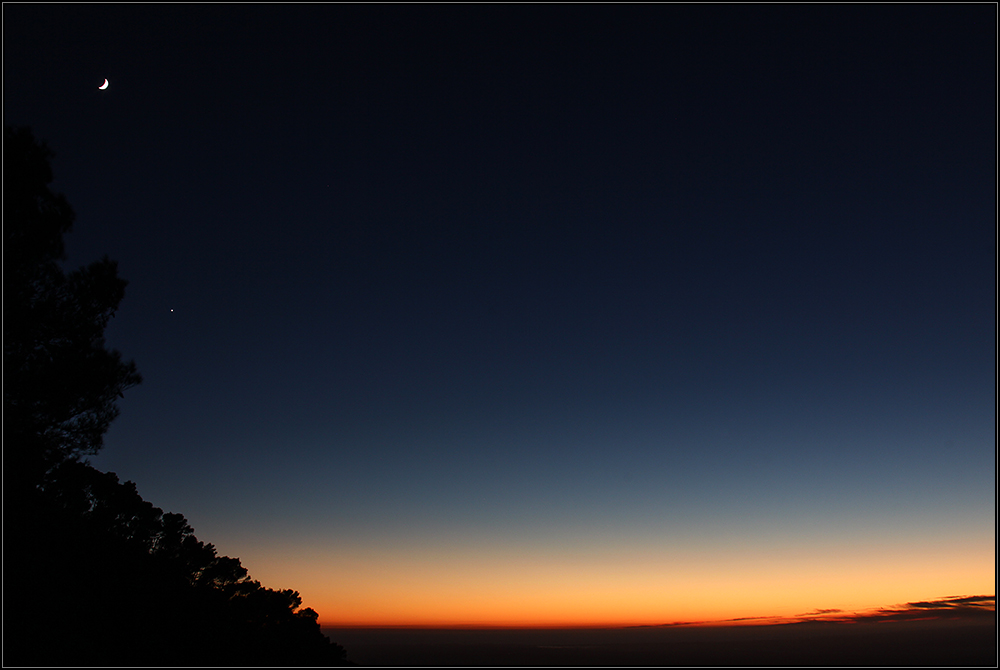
(133, 586)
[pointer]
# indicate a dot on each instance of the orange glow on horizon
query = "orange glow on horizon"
(647, 597)
(831, 616)
(719, 581)
(845, 617)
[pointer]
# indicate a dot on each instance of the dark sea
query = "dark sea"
(913, 643)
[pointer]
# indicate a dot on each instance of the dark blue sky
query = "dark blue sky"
(527, 268)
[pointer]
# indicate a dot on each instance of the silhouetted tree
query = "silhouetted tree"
(60, 381)
(94, 574)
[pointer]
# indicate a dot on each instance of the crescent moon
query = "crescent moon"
(105, 85)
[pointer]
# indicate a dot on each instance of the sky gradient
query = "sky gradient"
(560, 315)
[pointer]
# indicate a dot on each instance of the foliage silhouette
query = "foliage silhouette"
(60, 382)
(94, 574)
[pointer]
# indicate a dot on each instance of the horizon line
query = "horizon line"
(975, 608)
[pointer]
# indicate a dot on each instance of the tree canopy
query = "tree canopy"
(94, 574)
(61, 382)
